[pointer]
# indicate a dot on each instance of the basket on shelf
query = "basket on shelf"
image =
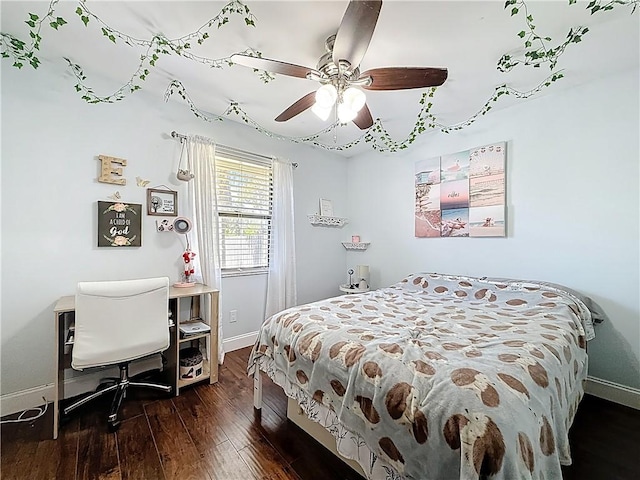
(191, 363)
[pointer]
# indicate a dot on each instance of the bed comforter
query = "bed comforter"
(444, 377)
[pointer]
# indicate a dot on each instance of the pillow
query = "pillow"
(597, 313)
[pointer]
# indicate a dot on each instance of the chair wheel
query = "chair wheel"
(64, 419)
(113, 426)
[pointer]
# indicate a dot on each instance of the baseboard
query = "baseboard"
(613, 392)
(83, 383)
(25, 399)
(239, 341)
(32, 397)
(77, 385)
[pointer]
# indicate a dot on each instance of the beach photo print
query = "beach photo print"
(462, 194)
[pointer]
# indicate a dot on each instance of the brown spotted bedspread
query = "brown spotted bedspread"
(443, 376)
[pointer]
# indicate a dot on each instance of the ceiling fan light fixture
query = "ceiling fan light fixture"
(338, 71)
(354, 98)
(326, 96)
(321, 112)
(346, 113)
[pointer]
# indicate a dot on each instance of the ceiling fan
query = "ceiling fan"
(338, 71)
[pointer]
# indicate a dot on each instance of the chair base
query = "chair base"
(120, 387)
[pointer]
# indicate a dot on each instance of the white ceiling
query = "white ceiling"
(467, 37)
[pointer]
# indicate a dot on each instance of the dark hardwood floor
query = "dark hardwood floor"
(210, 432)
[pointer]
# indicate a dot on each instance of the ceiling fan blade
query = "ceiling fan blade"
(274, 66)
(355, 31)
(402, 78)
(364, 119)
(300, 106)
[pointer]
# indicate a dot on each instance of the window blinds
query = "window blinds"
(244, 191)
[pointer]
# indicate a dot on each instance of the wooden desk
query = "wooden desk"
(177, 298)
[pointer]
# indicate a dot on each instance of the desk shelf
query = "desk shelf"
(198, 336)
(186, 307)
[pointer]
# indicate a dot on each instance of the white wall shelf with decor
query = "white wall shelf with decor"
(356, 245)
(326, 221)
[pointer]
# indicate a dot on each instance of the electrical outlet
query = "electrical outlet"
(233, 316)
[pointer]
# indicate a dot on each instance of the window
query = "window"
(244, 189)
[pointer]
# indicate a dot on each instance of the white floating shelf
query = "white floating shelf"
(347, 289)
(327, 221)
(356, 246)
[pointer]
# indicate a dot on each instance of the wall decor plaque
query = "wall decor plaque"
(109, 172)
(119, 224)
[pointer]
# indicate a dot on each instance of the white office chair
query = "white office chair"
(117, 322)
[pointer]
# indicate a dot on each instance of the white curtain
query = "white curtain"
(281, 284)
(203, 207)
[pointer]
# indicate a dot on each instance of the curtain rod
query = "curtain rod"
(232, 150)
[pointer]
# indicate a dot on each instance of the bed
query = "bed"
(438, 376)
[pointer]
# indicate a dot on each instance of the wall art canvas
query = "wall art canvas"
(455, 222)
(486, 221)
(462, 194)
(119, 224)
(454, 167)
(427, 202)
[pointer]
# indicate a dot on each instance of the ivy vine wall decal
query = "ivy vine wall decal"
(537, 51)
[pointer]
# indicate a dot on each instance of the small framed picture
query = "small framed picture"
(326, 208)
(162, 202)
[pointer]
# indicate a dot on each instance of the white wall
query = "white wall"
(573, 208)
(50, 143)
(572, 196)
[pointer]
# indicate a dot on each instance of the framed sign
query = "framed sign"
(326, 208)
(119, 224)
(162, 202)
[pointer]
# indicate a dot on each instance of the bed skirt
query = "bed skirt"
(348, 444)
